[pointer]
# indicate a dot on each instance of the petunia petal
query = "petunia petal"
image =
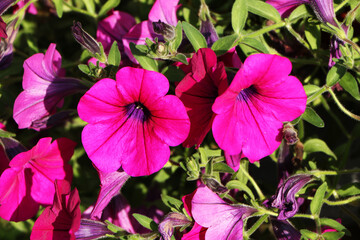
(165, 11)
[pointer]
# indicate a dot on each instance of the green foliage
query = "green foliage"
(196, 39)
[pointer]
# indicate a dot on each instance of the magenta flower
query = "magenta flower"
(251, 112)
(111, 184)
(44, 89)
(197, 232)
(285, 7)
(223, 220)
(31, 9)
(61, 220)
(29, 182)
(132, 122)
(198, 91)
(163, 10)
(113, 28)
(2, 29)
(284, 199)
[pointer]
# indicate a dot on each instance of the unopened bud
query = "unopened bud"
(290, 134)
(161, 49)
(166, 30)
(85, 39)
(91, 229)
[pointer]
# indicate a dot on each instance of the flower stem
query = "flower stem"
(297, 36)
(80, 10)
(265, 30)
(341, 5)
(338, 202)
(342, 108)
(256, 225)
(253, 182)
(316, 94)
(329, 172)
(301, 215)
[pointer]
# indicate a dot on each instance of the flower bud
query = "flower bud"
(90, 229)
(166, 30)
(85, 39)
(290, 134)
(161, 49)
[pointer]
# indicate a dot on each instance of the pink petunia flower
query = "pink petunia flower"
(29, 182)
(197, 232)
(251, 112)
(285, 7)
(44, 89)
(31, 9)
(113, 28)
(61, 220)
(132, 122)
(223, 220)
(198, 90)
(2, 29)
(163, 10)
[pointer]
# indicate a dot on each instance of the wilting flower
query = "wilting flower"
(132, 122)
(173, 219)
(163, 10)
(9, 148)
(250, 113)
(207, 29)
(91, 229)
(284, 230)
(44, 89)
(198, 91)
(164, 29)
(223, 220)
(29, 182)
(284, 199)
(6, 46)
(61, 220)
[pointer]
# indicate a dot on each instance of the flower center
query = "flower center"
(137, 111)
(246, 93)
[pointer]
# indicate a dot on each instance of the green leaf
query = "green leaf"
(312, 117)
(222, 167)
(178, 37)
(195, 37)
(114, 57)
(84, 68)
(263, 9)
(299, 12)
(110, 4)
(317, 145)
(180, 58)
(313, 35)
(5, 134)
(173, 73)
(239, 13)
(224, 44)
(333, 235)
(255, 44)
(317, 202)
(350, 189)
(311, 89)
(349, 83)
(90, 6)
(308, 234)
(59, 7)
(172, 203)
(335, 225)
(236, 184)
(335, 74)
(146, 221)
(145, 61)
